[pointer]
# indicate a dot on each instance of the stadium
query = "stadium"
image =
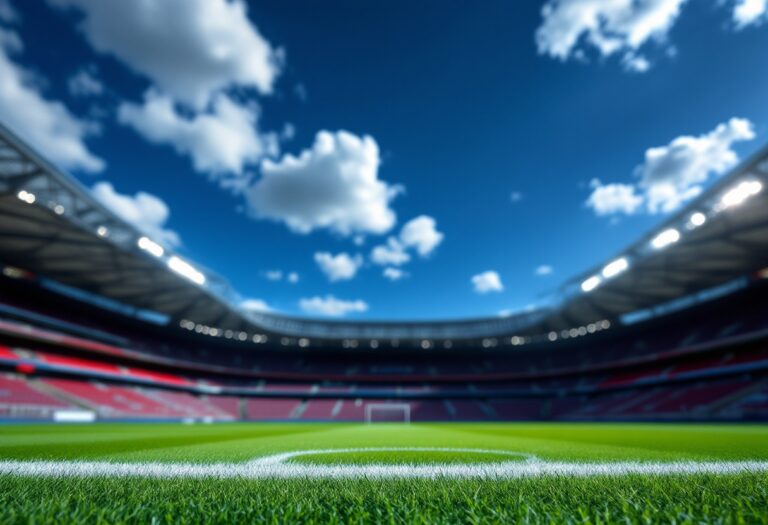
(137, 386)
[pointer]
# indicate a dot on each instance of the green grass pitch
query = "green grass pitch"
(605, 498)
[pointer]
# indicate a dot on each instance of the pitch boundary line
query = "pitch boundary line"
(279, 466)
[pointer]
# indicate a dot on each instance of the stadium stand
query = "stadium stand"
(93, 318)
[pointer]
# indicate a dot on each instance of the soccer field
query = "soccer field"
(418, 473)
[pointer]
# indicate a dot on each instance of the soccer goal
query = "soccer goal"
(388, 413)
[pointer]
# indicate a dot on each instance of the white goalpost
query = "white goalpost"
(388, 413)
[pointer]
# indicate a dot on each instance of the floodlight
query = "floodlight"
(591, 283)
(743, 191)
(185, 269)
(697, 219)
(148, 245)
(665, 238)
(26, 196)
(614, 268)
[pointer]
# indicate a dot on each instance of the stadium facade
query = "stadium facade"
(96, 317)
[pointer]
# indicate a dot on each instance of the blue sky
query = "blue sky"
(490, 150)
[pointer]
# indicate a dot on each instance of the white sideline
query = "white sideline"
(279, 466)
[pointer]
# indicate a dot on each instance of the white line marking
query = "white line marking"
(279, 466)
(285, 456)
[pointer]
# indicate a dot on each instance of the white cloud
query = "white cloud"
(610, 199)
(391, 253)
(220, 141)
(675, 173)
(421, 233)
(341, 267)
(544, 269)
(255, 305)
(487, 282)
(749, 12)
(145, 211)
(7, 13)
(47, 125)
(191, 49)
(85, 84)
(331, 307)
(334, 185)
(572, 28)
(278, 275)
(394, 274)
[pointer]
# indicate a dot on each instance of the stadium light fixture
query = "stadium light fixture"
(102, 231)
(696, 219)
(58, 209)
(185, 269)
(148, 245)
(616, 267)
(665, 238)
(738, 195)
(26, 196)
(591, 283)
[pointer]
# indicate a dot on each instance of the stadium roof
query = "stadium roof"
(52, 226)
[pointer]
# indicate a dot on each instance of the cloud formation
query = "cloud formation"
(334, 185)
(750, 12)
(46, 124)
(85, 84)
(391, 253)
(190, 49)
(487, 282)
(675, 173)
(221, 141)
(419, 234)
(341, 267)
(279, 275)
(7, 13)
(394, 274)
(330, 306)
(610, 199)
(147, 212)
(255, 305)
(571, 29)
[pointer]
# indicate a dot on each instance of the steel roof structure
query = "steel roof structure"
(52, 226)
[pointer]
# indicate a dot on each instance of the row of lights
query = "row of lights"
(732, 198)
(175, 263)
(581, 331)
(219, 332)
(425, 344)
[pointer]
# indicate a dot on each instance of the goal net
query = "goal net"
(388, 413)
